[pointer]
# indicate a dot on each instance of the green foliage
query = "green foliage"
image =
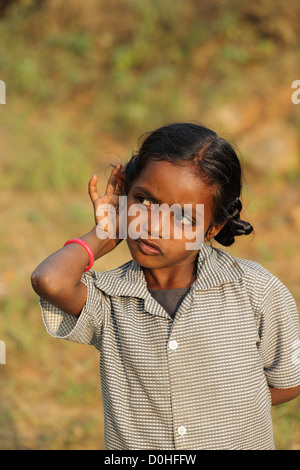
(167, 60)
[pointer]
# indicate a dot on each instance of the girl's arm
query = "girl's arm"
(282, 395)
(58, 278)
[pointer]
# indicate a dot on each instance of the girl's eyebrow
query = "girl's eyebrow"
(148, 194)
(157, 201)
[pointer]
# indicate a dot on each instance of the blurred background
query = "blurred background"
(83, 81)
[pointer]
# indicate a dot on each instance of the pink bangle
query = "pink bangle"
(88, 249)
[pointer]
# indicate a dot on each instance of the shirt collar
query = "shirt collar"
(214, 268)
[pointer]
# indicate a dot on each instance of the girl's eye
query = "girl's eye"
(143, 200)
(184, 219)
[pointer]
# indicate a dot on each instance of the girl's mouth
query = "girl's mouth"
(149, 248)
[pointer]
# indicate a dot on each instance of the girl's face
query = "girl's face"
(162, 182)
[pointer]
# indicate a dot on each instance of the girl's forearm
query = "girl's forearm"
(58, 277)
(69, 262)
(282, 395)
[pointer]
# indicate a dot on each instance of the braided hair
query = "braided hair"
(234, 226)
(213, 159)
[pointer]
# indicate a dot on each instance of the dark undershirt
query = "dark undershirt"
(169, 299)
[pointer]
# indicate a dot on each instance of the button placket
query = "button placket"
(180, 430)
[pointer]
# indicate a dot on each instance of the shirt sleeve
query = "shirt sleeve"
(279, 344)
(85, 328)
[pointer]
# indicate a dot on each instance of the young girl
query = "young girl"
(195, 345)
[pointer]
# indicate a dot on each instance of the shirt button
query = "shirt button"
(173, 345)
(181, 430)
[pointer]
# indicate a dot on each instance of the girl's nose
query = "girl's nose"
(159, 222)
(154, 223)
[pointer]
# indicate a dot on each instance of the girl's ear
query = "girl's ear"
(214, 231)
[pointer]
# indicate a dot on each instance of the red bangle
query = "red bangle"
(88, 249)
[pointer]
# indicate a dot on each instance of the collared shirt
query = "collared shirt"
(200, 380)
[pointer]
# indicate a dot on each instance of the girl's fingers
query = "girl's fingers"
(112, 182)
(122, 182)
(93, 188)
(111, 188)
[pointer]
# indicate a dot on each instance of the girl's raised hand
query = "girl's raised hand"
(106, 207)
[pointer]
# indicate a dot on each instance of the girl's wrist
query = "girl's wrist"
(99, 247)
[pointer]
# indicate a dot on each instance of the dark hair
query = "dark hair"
(214, 161)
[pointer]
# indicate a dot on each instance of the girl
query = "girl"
(195, 345)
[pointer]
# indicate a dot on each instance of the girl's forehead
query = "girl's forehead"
(160, 169)
(170, 183)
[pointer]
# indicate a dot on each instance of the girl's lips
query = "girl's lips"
(149, 248)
